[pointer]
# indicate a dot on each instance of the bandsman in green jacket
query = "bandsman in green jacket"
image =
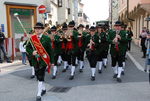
(71, 47)
(63, 40)
(81, 46)
(92, 43)
(40, 49)
(102, 48)
(56, 47)
(117, 39)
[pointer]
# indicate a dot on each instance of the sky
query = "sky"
(96, 9)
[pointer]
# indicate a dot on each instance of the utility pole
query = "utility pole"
(111, 11)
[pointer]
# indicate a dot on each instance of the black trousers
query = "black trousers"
(100, 56)
(129, 45)
(92, 58)
(64, 55)
(56, 59)
(71, 58)
(104, 54)
(40, 73)
(80, 55)
(2, 49)
(29, 59)
(117, 59)
(144, 50)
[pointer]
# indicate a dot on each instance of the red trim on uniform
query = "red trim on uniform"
(41, 51)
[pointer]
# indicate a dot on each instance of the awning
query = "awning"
(20, 4)
(146, 7)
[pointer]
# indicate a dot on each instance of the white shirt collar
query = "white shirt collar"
(40, 35)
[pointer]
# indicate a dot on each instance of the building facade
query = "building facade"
(82, 17)
(27, 11)
(113, 11)
(134, 13)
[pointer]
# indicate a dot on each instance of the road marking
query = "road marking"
(135, 62)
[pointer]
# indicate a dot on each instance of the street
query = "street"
(17, 85)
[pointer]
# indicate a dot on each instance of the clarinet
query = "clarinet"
(116, 44)
(91, 44)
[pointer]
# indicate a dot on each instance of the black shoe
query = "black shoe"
(99, 71)
(92, 78)
(143, 56)
(9, 61)
(122, 73)
(145, 70)
(43, 92)
(53, 77)
(105, 66)
(81, 70)
(58, 64)
(71, 78)
(67, 67)
(119, 80)
(38, 98)
(115, 76)
(33, 76)
(82, 66)
(64, 70)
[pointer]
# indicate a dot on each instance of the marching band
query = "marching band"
(75, 44)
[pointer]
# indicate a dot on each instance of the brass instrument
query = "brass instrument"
(61, 35)
(116, 43)
(68, 35)
(80, 33)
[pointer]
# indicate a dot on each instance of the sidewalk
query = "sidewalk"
(135, 55)
(6, 68)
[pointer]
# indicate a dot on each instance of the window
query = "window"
(59, 3)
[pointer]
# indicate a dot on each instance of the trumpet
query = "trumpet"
(116, 40)
(80, 33)
(91, 43)
(61, 36)
(68, 35)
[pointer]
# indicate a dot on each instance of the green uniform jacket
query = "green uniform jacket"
(57, 45)
(75, 41)
(46, 42)
(84, 34)
(95, 40)
(121, 43)
(103, 42)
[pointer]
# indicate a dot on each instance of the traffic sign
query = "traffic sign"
(42, 9)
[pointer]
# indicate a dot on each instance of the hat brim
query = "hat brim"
(92, 29)
(64, 28)
(38, 27)
(117, 25)
(71, 25)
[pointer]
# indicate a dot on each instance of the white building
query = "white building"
(113, 11)
(82, 17)
(63, 11)
(28, 14)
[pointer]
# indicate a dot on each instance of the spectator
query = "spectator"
(143, 36)
(2, 49)
(129, 36)
(22, 50)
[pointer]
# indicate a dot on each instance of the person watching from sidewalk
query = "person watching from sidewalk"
(143, 36)
(129, 36)
(147, 44)
(22, 50)
(2, 48)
